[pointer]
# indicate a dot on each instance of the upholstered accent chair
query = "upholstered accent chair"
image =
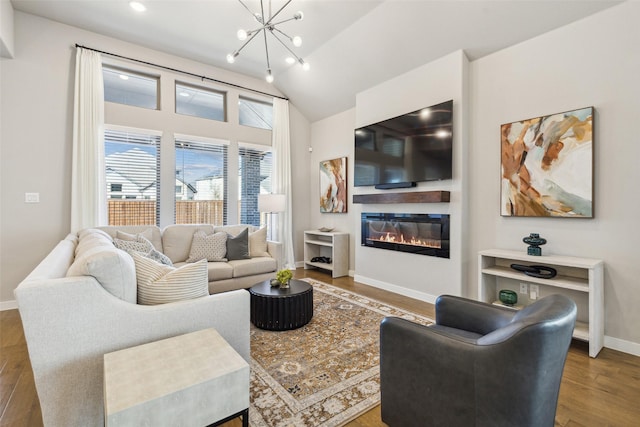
(478, 365)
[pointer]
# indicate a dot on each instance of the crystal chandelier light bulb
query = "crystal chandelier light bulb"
(231, 58)
(297, 41)
(299, 15)
(242, 34)
(269, 77)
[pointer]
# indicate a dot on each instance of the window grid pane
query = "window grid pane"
(254, 113)
(129, 88)
(200, 102)
(201, 170)
(132, 174)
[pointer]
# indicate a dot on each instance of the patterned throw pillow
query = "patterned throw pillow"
(258, 243)
(212, 247)
(161, 284)
(238, 246)
(144, 247)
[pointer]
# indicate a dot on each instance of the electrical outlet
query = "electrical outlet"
(534, 292)
(523, 288)
(32, 197)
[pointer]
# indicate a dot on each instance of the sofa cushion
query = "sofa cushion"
(249, 267)
(129, 232)
(176, 240)
(160, 284)
(235, 229)
(219, 271)
(90, 238)
(112, 268)
(238, 246)
(212, 247)
(258, 243)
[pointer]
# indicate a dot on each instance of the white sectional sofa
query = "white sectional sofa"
(71, 321)
(175, 242)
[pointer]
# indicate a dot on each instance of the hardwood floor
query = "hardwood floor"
(595, 392)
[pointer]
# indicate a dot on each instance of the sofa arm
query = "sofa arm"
(70, 323)
(470, 315)
(276, 250)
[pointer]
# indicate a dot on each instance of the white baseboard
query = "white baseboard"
(622, 345)
(422, 296)
(8, 305)
(612, 343)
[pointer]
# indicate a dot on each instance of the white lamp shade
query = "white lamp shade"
(271, 202)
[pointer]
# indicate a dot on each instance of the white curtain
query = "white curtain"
(282, 178)
(88, 182)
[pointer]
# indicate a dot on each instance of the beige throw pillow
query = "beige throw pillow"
(161, 284)
(258, 243)
(211, 247)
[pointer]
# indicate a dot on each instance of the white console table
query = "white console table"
(581, 279)
(333, 245)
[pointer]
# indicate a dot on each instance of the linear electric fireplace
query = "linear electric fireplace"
(423, 234)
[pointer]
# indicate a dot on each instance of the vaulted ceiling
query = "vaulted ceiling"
(351, 45)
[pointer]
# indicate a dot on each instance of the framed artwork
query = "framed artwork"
(547, 166)
(333, 185)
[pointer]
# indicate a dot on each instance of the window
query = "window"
(130, 88)
(201, 172)
(200, 102)
(132, 170)
(255, 178)
(258, 114)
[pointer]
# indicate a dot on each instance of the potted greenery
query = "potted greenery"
(282, 278)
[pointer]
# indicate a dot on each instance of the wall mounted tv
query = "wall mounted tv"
(401, 151)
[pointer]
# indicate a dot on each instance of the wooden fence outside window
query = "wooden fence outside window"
(143, 212)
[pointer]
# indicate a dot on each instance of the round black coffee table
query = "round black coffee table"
(278, 309)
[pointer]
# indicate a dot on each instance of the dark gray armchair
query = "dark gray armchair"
(478, 365)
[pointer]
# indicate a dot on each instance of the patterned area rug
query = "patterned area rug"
(325, 373)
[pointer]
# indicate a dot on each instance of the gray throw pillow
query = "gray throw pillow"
(238, 246)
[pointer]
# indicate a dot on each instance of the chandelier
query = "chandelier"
(270, 26)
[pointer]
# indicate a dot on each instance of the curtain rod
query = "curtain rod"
(182, 72)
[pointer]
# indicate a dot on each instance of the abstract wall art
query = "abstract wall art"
(547, 166)
(333, 185)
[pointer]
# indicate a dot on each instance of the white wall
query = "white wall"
(332, 138)
(419, 276)
(593, 62)
(36, 136)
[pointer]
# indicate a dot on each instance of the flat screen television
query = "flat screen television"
(403, 150)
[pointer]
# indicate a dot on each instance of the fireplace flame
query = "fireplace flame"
(393, 238)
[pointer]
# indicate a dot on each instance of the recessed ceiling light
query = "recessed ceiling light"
(290, 60)
(137, 6)
(124, 77)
